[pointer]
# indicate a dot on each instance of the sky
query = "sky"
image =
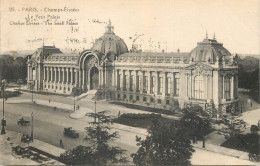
(165, 24)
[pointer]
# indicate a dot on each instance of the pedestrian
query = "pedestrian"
(118, 113)
(244, 126)
(251, 104)
(195, 139)
(49, 100)
(61, 143)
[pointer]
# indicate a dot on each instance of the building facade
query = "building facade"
(207, 75)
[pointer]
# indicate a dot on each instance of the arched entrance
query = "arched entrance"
(94, 82)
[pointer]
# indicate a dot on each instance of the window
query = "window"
(169, 83)
(159, 101)
(226, 87)
(167, 102)
(118, 96)
(137, 98)
(152, 100)
(199, 87)
(144, 98)
(160, 84)
(130, 97)
(124, 96)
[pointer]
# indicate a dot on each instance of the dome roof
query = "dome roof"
(110, 43)
(209, 50)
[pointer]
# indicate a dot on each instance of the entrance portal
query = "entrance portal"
(94, 78)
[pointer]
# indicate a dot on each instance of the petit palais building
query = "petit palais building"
(207, 75)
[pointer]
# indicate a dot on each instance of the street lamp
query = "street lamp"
(3, 120)
(32, 127)
(31, 87)
(95, 112)
(154, 101)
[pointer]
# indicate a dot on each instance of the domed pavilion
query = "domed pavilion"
(205, 76)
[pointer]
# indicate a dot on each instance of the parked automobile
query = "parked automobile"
(69, 132)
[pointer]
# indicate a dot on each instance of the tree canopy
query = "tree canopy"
(164, 145)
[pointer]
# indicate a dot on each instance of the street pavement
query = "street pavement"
(49, 124)
(12, 139)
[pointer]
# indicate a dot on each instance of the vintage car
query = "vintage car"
(23, 122)
(68, 131)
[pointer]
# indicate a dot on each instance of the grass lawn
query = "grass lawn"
(140, 120)
(247, 143)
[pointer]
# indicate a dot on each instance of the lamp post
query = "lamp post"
(3, 120)
(31, 87)
(203, 140)
(74, 101)
(154, 101)
(32, 127)
(95, 112)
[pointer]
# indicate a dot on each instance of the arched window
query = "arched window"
(226, 87)
(199, 87)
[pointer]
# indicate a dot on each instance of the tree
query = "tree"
(99, 151)
(164, 145)
(232, 125)
(195, 121)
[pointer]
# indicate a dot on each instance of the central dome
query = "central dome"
(109, 43)
(209, 50)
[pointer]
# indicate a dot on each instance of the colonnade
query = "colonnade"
(148, 82)
(60, 78)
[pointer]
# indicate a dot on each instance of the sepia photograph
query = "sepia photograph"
(129, 82)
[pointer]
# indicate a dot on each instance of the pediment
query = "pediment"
(199, 67)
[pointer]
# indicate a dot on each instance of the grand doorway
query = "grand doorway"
(94, 82)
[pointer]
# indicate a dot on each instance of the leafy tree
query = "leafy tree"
(195, 121)
(76, 91)
(232, 125)
(164, 145)
(99, 151)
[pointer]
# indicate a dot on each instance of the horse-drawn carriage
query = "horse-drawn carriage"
(23, 122)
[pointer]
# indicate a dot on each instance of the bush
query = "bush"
(140, 116)
(9, 94)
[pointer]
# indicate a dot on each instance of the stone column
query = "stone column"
(63, 75)
(223, 87)
(83, 78)
(134, 81)
(148, 82)
(173, 84)
(141, 77)
(232, 87)
(67, 72)
(76, 77)
(121, 80)
(44, 72)
(55, 71)
(48, 73)
(28, 73)
(71, 76)
(80, 78)
(129, 80)
(156, 82)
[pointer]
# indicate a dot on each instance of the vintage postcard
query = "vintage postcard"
(129, 82)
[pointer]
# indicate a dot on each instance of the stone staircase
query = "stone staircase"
(87, 96)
